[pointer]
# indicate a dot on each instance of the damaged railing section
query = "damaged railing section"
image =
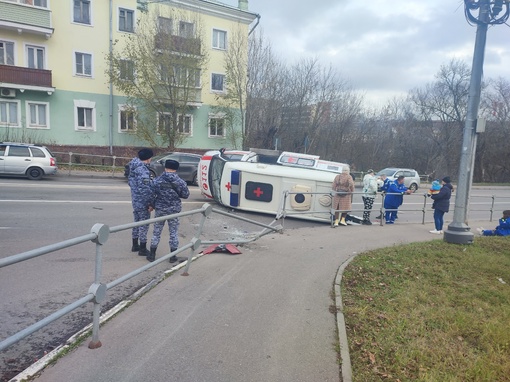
(99, 235)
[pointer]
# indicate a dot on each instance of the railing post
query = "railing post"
(424, 208)
(98, 289)
(70, 162)
(381, 212)
(492, 207)
(207, 210)
(113, 165)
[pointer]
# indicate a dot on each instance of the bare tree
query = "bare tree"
(492, 156)
(343, 134)
(158, 69)
(265, 94)
(442, 104)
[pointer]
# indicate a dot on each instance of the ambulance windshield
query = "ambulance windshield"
(215, 173)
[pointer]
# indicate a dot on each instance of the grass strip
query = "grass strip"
(430, 312)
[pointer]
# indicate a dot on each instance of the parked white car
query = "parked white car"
(32, 161)
(411, 177)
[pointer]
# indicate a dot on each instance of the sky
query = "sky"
(383, 48)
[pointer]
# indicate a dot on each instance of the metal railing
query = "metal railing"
(86, 161)
(99, 235)
(283, 212)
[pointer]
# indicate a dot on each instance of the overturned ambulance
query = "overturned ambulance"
(282, 184)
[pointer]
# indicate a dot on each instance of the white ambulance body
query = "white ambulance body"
(260, 186)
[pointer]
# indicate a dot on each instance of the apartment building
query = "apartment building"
(55, 87)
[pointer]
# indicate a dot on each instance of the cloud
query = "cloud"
(384, 48)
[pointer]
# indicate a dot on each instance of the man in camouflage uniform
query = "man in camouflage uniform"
(169, 188)
(140, 182)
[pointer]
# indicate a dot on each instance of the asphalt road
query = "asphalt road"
(34, 214)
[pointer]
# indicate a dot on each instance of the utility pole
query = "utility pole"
(458, 231)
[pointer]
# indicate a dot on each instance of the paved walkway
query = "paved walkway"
(263, 315)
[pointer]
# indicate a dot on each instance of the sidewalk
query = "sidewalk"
(264, 315)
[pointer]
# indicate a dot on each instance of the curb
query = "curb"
(345, 367)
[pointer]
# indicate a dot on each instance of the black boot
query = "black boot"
(135, 247)
(152, 256)
(173, 259)
(143, 250)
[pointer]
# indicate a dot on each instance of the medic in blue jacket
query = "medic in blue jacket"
(394, 198)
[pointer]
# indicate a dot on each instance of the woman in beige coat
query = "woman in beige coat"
(343, 185)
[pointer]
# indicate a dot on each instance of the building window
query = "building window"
(217, 82)
(6, 53)
(127, 70)
(9, 113)
(126, 20)
(84, 115)
(81, 11)
(83, 64)
(165, 25)
(185, 29)
(37, 115)
(219, 39)
(37, 3)
(35, 57)
(186, 77)
(164, 123)
(184, 124)
(216, 126)
(127, 121)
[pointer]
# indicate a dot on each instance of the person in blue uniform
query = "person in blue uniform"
(140, 182)
(503, 229)
(394, 198)
(169, 189)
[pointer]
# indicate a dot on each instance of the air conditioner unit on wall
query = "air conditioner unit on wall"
(5, 92)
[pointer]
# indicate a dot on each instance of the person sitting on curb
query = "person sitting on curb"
(503, 229)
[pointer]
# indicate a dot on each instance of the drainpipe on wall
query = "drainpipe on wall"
(243, 6)
(255, 26)
(110, 122)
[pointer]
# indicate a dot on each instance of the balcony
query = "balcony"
(189, 96)
(178, 44)
(17, 77)
(25, 18)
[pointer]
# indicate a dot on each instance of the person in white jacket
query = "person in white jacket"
(369, 193)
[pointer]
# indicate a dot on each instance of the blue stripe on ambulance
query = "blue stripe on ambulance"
(235, 180)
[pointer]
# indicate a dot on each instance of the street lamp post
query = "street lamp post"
(458, 231)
